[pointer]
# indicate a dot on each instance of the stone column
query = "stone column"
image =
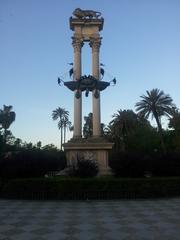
(77, 45)
(95, 45)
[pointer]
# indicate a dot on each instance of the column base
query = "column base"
(95, 149)
(77, 137)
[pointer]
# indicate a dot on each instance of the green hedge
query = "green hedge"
(94, 188)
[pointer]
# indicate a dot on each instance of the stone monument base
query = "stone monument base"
(95, 149)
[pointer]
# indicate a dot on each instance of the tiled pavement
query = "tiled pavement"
(90, 220)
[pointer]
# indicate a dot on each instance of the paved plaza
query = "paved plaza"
(90, 220)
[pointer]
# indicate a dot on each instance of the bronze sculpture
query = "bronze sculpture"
(87, 84)
(86, 14)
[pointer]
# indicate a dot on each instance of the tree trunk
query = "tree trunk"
(64, 134)
(5, 135)
(61, 137)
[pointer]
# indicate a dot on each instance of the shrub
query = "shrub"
(1, 184)
(127, 164)
(167, 165)
(92, 188)
(84, 168)
(30, 163)
(135, 165)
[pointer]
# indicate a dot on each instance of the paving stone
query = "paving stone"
(90, 220)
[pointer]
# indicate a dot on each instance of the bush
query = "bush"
(84, 168)
(127, 164)
(30, 163)
(167, 165)
(92, 188)
(135, 165)
(1, 184)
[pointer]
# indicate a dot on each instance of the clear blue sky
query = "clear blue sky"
(140, 47)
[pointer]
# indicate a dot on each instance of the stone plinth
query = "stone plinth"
(86, 28)
(95, 149)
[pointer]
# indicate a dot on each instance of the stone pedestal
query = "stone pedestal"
(95, 149)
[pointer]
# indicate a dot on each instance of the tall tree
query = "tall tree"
(7, 117)
(123, 122)
(157, 104)
(67, 125)
(62, 115)
(39, 144)
(103, 129)
(174, 121)
(88, 126)
(17, 143)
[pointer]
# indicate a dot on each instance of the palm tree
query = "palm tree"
(157, 104)
(66, 125)
(7, 117)
(62, 115)
(124, 121)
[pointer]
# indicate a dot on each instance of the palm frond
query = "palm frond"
(156, 103)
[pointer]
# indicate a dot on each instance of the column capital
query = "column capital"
(77, 44)
(95, 44)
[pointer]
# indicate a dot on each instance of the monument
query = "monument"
(86, 25)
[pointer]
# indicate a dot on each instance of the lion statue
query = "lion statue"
(82, 14)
